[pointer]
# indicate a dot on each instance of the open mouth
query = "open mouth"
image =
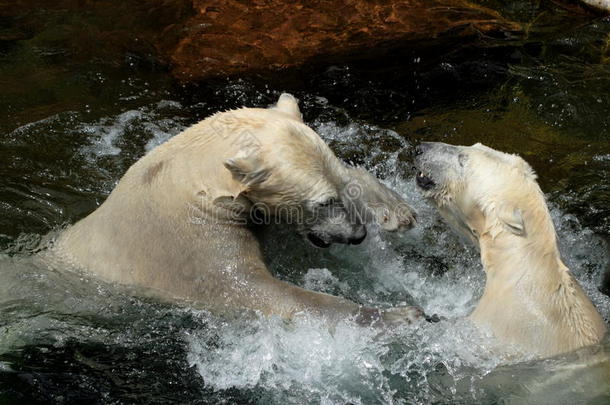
(316, 241)
(424, 181)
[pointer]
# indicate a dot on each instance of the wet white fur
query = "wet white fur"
(531, 299)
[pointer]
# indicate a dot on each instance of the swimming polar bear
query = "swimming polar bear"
(492, 198)
(178, 223)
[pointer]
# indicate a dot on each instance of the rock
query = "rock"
(228, 37)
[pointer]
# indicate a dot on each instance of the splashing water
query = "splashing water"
(108, 133)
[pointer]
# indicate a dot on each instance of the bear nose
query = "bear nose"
(360, 235)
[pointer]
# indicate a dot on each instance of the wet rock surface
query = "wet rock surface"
(199, 39)
(238, 36)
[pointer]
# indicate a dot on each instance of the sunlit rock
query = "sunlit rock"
(236, 36)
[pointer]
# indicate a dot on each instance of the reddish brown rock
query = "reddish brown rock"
(227, 37)
(204, 38)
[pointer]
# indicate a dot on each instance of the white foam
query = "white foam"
(107, 133)
(323, 280)
(304, 361)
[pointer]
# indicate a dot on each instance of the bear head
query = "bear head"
(288, 174)
(478, 189)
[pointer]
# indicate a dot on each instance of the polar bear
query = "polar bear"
(492, 198)
(177, 225)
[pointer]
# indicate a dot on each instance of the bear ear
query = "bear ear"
(246, 169)
(512, 220)
(289, 105)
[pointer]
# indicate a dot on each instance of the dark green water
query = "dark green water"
(76, 115)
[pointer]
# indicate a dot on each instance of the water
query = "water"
(65, 338)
